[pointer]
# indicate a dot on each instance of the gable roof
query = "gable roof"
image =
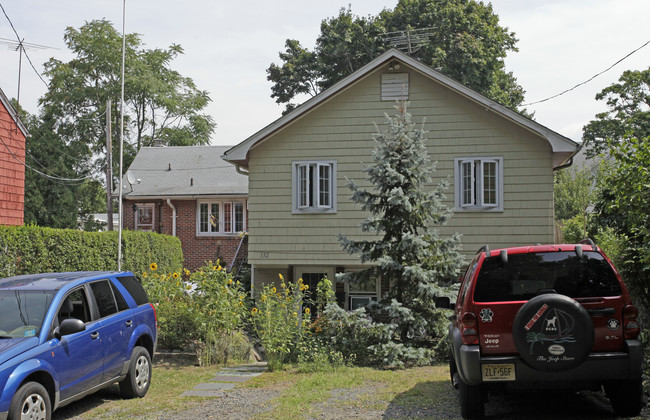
(12, 112)
(563, 148)
(182, 172)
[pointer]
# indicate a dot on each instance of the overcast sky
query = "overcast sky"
(229, 45)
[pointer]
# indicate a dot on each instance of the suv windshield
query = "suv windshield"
(22, 312)
(524, 275)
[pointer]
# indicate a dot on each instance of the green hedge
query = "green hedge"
(32, 249)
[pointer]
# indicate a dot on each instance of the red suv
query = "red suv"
(544, 317)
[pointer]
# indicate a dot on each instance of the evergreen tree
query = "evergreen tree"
(404, 210)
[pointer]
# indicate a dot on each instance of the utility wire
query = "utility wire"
(23, 49)
(588, 80)
(54, 178)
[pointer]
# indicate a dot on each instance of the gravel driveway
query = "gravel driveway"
(245, 403)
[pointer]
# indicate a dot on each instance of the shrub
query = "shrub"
(369, 343)
(206, 308)
(33, 249)
(279, 321)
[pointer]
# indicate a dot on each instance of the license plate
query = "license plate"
(498, 372)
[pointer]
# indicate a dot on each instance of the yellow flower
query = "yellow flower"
(153, 266)
(295, 314)
(300, 280)
(274, 290)
(307, 311)
(241, 303)
(230, 281)
(306, 286)
(219, 268)
(263, 298)
(175, 275)
(144, 275)
(281, 278)
(187, 272)
(214, 267)
(254, 311)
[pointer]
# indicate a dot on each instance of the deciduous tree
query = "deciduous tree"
(466, 42)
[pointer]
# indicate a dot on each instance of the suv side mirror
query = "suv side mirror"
(443, 302)
(69, 326)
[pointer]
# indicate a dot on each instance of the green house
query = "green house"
(500, 165)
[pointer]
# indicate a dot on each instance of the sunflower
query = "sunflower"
(175, 275)
(153, 267)
(307, 311)
(254, 311)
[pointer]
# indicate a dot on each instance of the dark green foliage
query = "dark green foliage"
(31, 249)
(466, 43)
(628, 113)
(624, 205)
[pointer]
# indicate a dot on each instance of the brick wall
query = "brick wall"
(196, 249)
(12, 171)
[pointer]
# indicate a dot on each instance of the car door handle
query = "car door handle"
(94, 335)
(601, 312)
(129, 323)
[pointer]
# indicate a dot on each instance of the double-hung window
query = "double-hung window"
(144, 217)
(220, 217)
(314, 186)
(478, 183)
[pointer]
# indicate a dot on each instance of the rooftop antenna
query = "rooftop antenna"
(21, 46)
(409, 40)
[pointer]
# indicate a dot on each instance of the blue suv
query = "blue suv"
(66, 335)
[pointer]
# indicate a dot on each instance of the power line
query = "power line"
(588, 80)
(54, 178)
(22, 49)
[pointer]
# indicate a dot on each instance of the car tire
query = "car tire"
(553, 333)
(626, 397)
(31, 400)
(137, 381)
(471, 401)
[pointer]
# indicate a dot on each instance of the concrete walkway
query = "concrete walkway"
(226, 378)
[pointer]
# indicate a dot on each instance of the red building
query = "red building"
(191, 193)
(12, 168)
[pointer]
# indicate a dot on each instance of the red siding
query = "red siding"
(12, 171)
(196, 249)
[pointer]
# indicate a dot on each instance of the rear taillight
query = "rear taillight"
(630, 323)
(469, 328)
(155, 315)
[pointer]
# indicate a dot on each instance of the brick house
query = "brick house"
(191, 193)
(12, 168)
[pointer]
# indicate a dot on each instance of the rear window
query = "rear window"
(525, 275)
(133, 286)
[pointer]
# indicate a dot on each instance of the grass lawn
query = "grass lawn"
(364, 388)
(167, 384)
(301, 392)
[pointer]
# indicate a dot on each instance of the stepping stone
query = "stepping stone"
(237, 373)
(215, 386)
(246, 368)
(202, 393)
(230, 378)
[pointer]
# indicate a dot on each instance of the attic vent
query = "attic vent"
(394, 86)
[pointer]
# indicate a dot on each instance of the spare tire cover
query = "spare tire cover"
(553, 332)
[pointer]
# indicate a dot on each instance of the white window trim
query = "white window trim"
(221, 202)
(139, 206)
(477, 165)
(300, 207)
